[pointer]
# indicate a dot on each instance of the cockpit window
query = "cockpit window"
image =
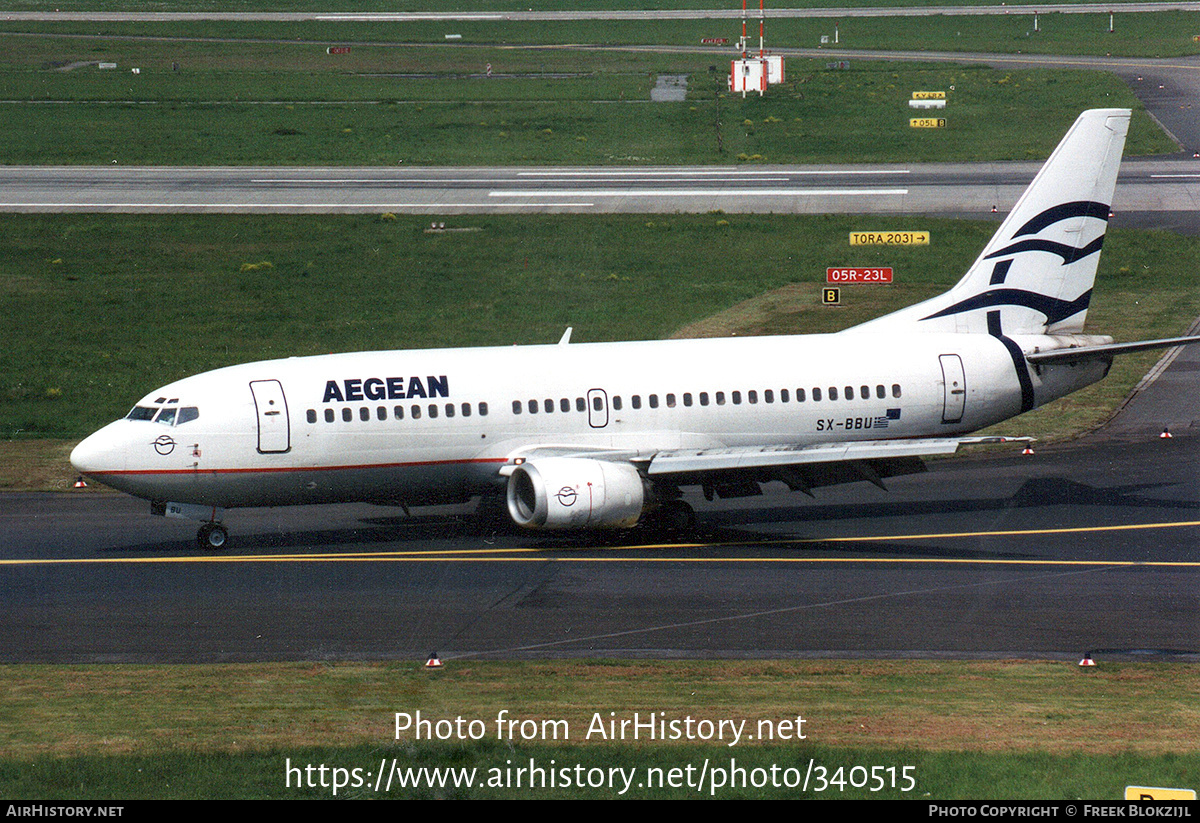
(169, 416)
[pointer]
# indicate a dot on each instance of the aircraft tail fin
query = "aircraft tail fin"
(1035, 276)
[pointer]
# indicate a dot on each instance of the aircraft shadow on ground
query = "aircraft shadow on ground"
(1036, 493)
(713, 527)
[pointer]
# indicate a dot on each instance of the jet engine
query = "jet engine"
(575, 493)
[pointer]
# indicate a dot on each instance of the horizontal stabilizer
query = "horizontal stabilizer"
(1079, 354)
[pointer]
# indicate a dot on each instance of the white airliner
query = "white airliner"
(604, 435)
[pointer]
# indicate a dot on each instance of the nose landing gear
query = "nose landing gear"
(212, 535)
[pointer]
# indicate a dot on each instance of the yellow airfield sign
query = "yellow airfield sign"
(889, 238)
(1158, 793)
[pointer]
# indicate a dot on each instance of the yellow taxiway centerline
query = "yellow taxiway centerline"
(525, 554)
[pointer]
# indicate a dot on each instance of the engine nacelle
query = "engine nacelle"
(575, 493)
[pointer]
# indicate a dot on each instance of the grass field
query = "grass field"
(268, 93)
(323, 118)
(453, 5)
(1157, 34)
(988, 729)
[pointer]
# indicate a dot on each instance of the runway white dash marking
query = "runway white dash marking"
(709, 173)
(704, 193)
(277, 206)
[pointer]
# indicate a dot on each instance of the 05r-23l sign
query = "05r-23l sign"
(857, 275)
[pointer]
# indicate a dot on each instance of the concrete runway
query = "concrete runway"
(1161, 191)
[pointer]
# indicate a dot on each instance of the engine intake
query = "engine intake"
(575, 493)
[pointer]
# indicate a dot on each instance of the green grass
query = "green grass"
(503, 772)
(106, 307)
(819, 115)
(969, 730)
(1157, 34)
(449, 5)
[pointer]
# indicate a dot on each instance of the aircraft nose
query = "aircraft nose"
(98, 453)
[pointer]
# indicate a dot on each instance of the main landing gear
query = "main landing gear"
(672, 518)
(212, 536)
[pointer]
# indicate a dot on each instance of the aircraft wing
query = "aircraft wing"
(758, 457)
(736, 472)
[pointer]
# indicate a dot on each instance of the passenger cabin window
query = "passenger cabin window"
(312, 415)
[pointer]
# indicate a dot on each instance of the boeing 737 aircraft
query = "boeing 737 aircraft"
(604, 435)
